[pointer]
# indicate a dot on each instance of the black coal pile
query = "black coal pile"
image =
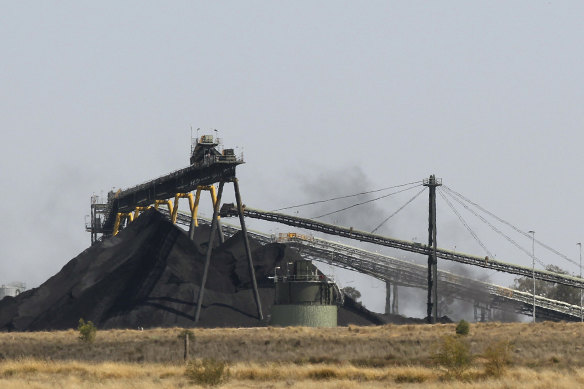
(149, 275)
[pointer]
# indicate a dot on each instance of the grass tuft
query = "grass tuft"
(322, 374)
(207, 372)
(410, 378)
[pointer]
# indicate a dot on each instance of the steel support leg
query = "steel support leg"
(192, 229)
(194, 212)
(220, 230)
(214, 223)
(387, 297)
(192, 226)
(429, 304)
(435, 283)
(432, 305)
(247, 249)
(215, 199)
(394, 305)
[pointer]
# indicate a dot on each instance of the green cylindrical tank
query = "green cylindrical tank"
(304, 315)
(304, 297)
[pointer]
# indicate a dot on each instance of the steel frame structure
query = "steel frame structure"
(405, 273)
(414, 247)
(208, 166)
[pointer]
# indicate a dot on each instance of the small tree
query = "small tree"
(454, 354)
(87, 331)
(462, 328)
(351, 292)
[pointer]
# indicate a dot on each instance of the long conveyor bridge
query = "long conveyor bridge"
(409, 274)
(414, 247)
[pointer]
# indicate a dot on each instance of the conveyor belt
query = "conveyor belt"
(162, 188)
(484, 262)
(410, 274)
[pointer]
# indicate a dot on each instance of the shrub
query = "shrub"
(462, 328)
(87, 331)
(207, 372)
(498, 356)
(454, 354)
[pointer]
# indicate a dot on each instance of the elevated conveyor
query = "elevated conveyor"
(350, 233)
(410, 274)
(208, 166)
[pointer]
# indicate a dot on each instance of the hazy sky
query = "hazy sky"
(325, 98)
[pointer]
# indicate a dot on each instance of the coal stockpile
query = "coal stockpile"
(149, 275)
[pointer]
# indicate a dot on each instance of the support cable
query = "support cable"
(366, 202)
(474, 235)
(498, 231)
(399, 209)
(527, 235)
(345, 197)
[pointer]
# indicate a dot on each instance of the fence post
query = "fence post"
(186, 347)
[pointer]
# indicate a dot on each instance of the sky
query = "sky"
(324, 98)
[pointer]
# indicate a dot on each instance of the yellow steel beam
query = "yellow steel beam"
(189, 196)
(119, 218)
(140, 209)
(172, 208)
(157, 203)
(195, 209)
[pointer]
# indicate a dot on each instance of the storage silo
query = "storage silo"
(304, 297)
(12, 290)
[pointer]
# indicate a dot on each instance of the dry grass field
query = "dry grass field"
(544, 355)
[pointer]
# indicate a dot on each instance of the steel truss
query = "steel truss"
(157, 190)
(467, 259)
(405, 273)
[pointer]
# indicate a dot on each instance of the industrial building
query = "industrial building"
(12, 290)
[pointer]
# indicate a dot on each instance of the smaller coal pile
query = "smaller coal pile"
(149, 275)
